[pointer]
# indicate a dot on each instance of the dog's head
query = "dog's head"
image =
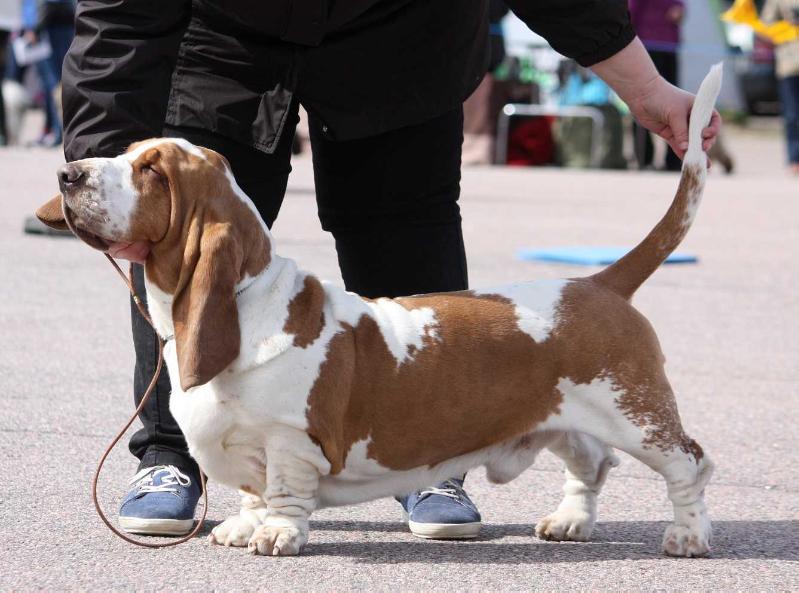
(177, 208)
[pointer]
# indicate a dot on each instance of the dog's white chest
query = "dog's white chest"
(229, 449)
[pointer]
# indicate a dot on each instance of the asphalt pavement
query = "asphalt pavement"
(728, 326)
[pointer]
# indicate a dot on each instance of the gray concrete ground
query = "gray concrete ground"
(728, 326)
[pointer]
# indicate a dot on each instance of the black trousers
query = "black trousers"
(390, 202)
(666, 63)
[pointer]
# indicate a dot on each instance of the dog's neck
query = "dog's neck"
(268, 292)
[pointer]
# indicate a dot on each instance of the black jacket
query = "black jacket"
(361, 67)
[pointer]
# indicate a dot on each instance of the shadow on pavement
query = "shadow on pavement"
(621, 540)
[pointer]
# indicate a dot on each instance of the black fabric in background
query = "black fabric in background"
(363, 67)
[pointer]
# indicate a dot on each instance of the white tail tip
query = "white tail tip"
(701, 113)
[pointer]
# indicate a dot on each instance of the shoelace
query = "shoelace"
(451, 490)
(174, 477)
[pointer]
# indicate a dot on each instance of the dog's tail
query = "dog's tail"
(626, 275)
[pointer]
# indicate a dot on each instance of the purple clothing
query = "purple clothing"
(651, 22)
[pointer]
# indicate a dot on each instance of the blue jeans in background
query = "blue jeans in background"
(49, 70)
(789, 93)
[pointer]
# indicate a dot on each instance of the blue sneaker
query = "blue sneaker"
(443, 511)
(161, 501)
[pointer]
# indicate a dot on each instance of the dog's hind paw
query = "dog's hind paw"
(681, 540)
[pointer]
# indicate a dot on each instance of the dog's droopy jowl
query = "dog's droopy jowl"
(302, 395)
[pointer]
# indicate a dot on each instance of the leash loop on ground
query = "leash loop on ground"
(140, 306)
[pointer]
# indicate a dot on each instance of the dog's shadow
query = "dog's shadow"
(622, 540)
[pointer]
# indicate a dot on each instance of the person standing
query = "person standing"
(51, 20)
(787, 58)
(657, 23)
(383, 82)
(10, 20)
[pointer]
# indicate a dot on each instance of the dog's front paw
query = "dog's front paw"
(685, 541)
(236, 530)
(278, 537)
(233, 531)
(566, 525)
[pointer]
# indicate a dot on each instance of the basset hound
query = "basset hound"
(302, 395)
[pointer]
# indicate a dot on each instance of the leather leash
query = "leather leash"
(145, 397)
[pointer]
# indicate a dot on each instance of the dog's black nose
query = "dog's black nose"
(69, 175)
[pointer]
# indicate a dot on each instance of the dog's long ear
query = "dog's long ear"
(51, 213)
(204, 311)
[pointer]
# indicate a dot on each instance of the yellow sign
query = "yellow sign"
(744, 12)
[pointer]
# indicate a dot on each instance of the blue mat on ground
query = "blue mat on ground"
(592, 256)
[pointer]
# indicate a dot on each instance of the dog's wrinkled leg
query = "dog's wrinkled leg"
(687, 471)
(291, 498)
(691, 532)
(664, 447)
(632, 408)
(587, 464)
(293, 467)
(645, 423)
(238, 529)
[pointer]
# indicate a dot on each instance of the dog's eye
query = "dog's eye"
(149, 169)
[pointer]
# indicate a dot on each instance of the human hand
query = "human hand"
(664, 109)
(657, 105)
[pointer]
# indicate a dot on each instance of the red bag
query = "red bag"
(531, 143)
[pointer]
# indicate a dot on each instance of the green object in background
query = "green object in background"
(34, 226)
(573, 140)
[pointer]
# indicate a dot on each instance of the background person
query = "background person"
(657, 23)
(10, 20)
(787, 57)
(51, 20)
(383, 82)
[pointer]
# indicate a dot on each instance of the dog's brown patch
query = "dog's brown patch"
(306, 316)
(482, 381)
(463, 390)
(199, 200)
(604, 337)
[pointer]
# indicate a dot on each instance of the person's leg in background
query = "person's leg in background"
(642, 146)
(60, 39)
(789, 95)
(160, 446)
(391, 203)
(59, 36)
(13, 70)
(51, 135)
(667, 64)
(3, 44)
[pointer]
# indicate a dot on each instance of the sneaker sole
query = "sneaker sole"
(445, 530)
(156, 526)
